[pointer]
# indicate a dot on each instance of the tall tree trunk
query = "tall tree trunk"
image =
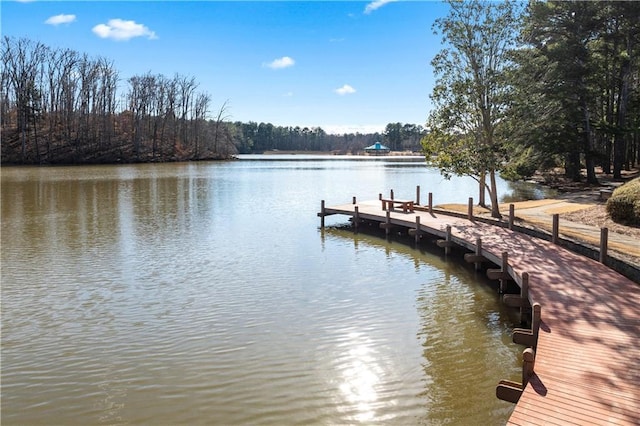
(493, 193)
(620, 143)
(589, 147)
(483, 187)
(572, 166)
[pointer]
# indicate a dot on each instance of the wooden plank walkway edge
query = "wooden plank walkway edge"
(581, 364)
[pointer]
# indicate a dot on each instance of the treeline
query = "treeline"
(253, 137)
(575, 82)
(61, 106)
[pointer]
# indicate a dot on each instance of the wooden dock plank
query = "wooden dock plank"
(587, 368)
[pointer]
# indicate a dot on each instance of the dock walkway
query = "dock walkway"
(586, 367)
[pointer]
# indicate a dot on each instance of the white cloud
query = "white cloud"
(280, 63)
(60, 19)
(288, 95)
(377, 4)
(118, 29)
(345, 90)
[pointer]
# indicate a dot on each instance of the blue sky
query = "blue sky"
(343, 66)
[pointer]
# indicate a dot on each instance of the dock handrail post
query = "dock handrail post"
(512, 209)
(528, 362)
(356, 217)
(470, 209)
(418, 195)
(417, 236)
(604, 238)
(322, 214)
(391, 194)
(430, 202)
(555, 228)
(354, 199)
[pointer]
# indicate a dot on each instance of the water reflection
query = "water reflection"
(199, 293)
(464, 333)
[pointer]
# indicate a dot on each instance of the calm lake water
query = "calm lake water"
(205, 293)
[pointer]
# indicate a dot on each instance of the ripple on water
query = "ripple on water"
(181, 308)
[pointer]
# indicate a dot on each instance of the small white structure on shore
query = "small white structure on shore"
(377, 149)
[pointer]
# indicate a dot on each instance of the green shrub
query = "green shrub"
(624, 204)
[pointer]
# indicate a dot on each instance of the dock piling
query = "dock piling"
(322, 214)
(520, 301)
(417, 195)
(447, 243)
(512, 391)
(476, 258)
(529, 337)
(555, 231)
(524, 296)
(430, 202)
(356, 217)
(416, 232)
(470, 209)
(528, 362)
(501, 274)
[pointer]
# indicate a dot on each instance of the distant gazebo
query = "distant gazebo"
(377, 149)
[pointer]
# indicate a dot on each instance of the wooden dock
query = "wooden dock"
(582, 362)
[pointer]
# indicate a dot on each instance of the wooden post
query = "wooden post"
(505, 267)
(528, 362)
(356, 217)
(418, 195)
(512, 215)
(478, 265)
(529, 337)
(380, 196)
(520, 301)
(354, 200)
(388, 227)
(430, 202)
(417, 228)
(604, 238)
(524, 296)
(446, 243)
(391, 195)
(322, 214)
(476, 258)
(512, 391)
(536, 318)
(555, 229)
(447, 249)
(501, 274)
(470, 209)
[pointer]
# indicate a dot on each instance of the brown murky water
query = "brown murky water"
(207, 294)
